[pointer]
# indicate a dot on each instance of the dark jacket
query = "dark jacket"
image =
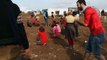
(10, 31)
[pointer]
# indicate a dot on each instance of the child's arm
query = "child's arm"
(37, 36)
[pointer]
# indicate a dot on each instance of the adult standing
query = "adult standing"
(11, 36)
(45, 14)
(92, 20)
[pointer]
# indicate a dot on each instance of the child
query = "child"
(70, 32)
(19, 19)
(76, 15)
(29, 23)
(37, 23)
(52, 15)
(42, 35)
(55, 29)
(63, 18)
(32, 19)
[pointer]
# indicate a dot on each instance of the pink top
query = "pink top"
(33, 20)
(56, 29)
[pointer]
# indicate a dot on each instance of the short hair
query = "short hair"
(74, 13)
(82, 1)
(52, 12)
(53, 24)
(70, 12)
(41, 29)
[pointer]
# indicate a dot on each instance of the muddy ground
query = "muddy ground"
(56, 48)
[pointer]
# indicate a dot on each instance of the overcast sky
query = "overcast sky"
(42, 4)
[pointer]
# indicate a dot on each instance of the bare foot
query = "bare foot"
(44, 44)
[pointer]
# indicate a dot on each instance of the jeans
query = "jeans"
(94, 44)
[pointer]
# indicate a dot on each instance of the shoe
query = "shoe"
(71, 47)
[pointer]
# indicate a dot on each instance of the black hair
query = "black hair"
(65, 14)
(41, 29)
(75, 13)
(82, 1)
(52, 12)
(53, 24)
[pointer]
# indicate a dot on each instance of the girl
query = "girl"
(35, 21)
(56, 29)
(42, 35)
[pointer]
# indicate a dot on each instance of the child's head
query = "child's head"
(70, 12)
(52, 12)
(57, 22)
(54, 21)
(41, 29)
(53, 24)
(75, 12)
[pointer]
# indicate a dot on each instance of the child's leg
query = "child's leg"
(44, 44)
(47, 22)
(71, 43)
(77, 33)
(38, 42)
(54, 36)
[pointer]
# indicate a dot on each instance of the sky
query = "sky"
(45, 4)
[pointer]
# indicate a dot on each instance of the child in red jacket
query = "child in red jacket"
(42, 35)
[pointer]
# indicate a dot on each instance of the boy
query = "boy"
(70, 35)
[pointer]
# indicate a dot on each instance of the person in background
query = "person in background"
(76, 25)
(63, 18)
(42, 36)
(92, 20)
(37, 23)
(19, 18)
(29, 23)
(45, 14)
(56, 29)
(69, 28)
(52, 15)
(33, 19)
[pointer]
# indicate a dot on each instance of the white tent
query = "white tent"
(57, 9)
(105, 10)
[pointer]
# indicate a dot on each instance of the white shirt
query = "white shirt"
(77, 17)
(70, 19)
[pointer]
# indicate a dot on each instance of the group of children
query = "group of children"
(69, 21)
(42, 37)
(34, 21)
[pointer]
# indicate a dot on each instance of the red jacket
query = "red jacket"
(43, 36)
(92, 19)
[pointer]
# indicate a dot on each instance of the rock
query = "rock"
(50, 54)
(54, 56)
(35, 56)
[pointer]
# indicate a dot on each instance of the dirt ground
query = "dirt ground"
(56, 48)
